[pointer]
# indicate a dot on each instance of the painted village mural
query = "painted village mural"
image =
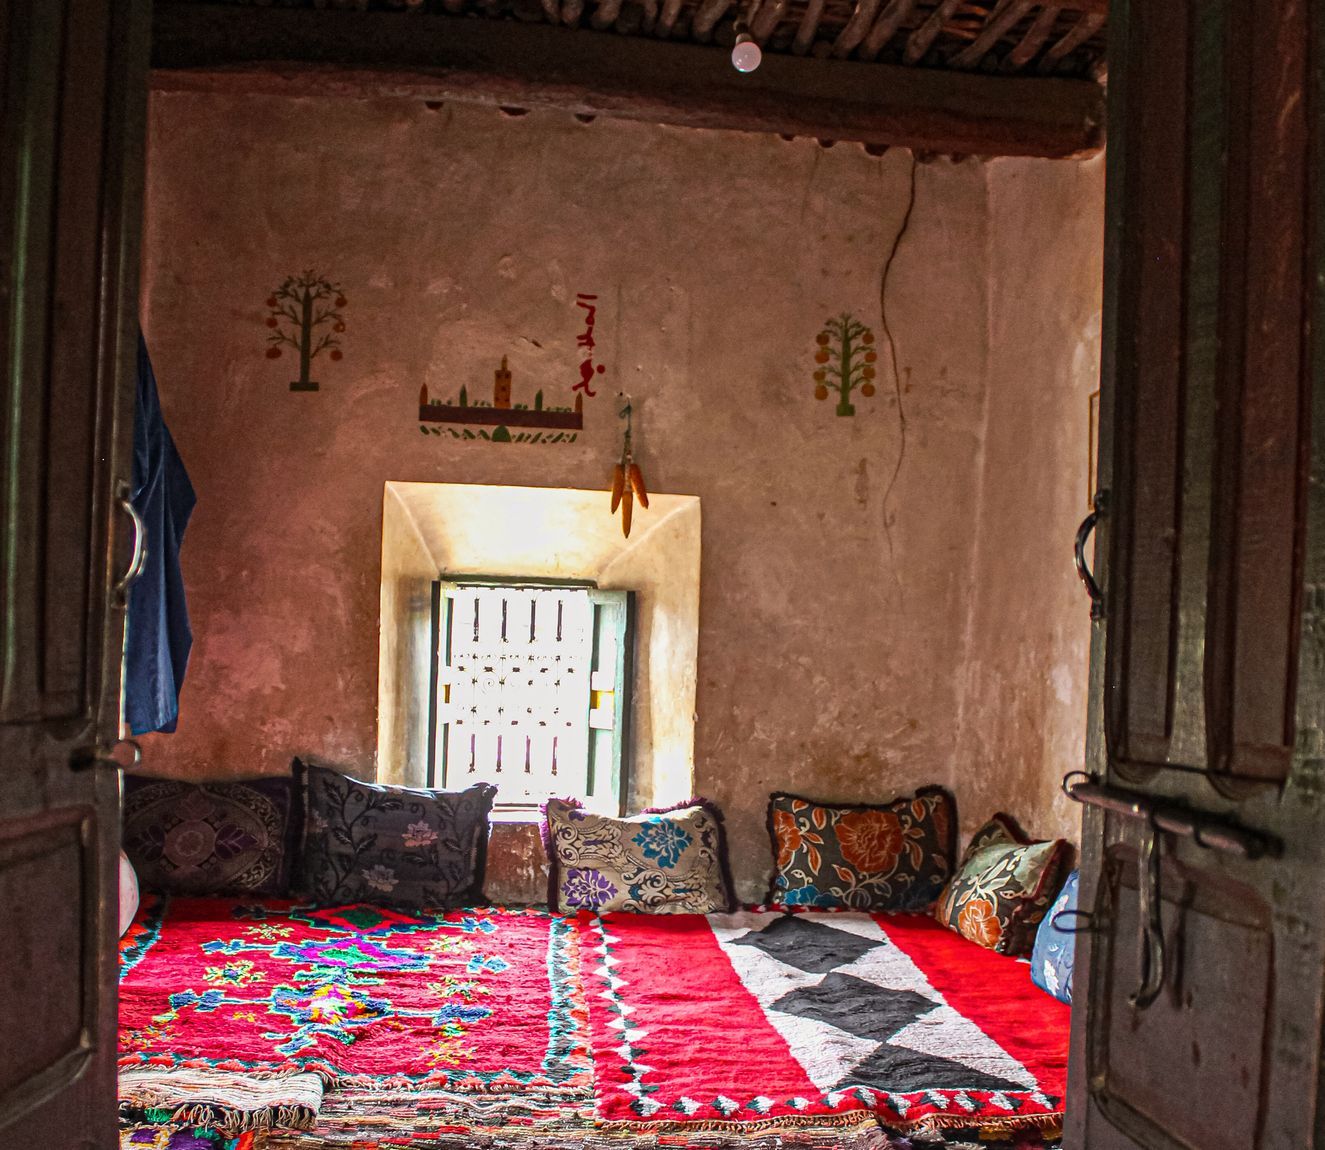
(503, 419)
(533, 424)
(306, 315)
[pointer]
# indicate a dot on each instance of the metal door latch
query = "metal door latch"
(108, 755)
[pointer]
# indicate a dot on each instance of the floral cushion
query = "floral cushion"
(896, 856)
(1055, 953)
(146, 1136)
(1003, 887)
(658, 862)
(212, 838)
(395, 846)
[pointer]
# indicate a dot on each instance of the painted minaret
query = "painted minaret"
(501, 386)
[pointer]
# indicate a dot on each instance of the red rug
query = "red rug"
(524, 1029)
(750, 1021)
(483, 1000)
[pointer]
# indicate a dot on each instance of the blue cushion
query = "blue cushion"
(1055, 952)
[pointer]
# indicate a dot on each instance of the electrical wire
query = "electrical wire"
(892, 352)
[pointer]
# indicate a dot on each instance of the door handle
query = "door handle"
(1151, 958)
(1079, 554)
(139, 558)
(108, 755)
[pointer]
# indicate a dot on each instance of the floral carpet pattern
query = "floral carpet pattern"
(359, 995)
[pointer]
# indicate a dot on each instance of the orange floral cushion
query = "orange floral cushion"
(1003, 886)
(894, 856)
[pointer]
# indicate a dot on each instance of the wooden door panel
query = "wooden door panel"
(1264, 387)
(69, 446)
(1209, 411)
(1206, 1037)
(74, 87)
(58, 275)
(1208, 666)
(53, 854)
(35, 42)
(1149, 416)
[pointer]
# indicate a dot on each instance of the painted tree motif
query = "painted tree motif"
(300, 307)
(846, 361)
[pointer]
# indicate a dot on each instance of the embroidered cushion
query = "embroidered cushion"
(395, 846)
(896, 856)
(1002, 887)
(658, 862)
(1055, 953)
(212, 838)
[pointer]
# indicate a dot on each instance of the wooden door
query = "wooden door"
(1208, 664)
(74, 88)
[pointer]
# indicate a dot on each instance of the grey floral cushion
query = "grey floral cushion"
(658, 862)
(395, 846)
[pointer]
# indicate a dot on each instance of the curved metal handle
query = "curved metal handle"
(1150, 939)
(105, 756)
(1083, 569)
(139, 558)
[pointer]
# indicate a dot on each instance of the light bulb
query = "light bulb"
(746, 56)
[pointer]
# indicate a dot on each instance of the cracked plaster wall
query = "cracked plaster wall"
(834, 631)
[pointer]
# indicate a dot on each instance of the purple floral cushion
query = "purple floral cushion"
(658, 862)
(140, 1136)
(395, 846)
(211, 838)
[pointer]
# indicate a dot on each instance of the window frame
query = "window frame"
(617, 743)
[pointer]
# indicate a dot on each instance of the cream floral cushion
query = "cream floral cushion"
(659, 862)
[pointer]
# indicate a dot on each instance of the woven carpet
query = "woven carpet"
(520, 1029)
(762, 1021)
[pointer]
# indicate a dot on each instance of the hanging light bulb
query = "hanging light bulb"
(746, 55)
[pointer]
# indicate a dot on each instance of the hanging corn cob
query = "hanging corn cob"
(637, 483)
(627, 479)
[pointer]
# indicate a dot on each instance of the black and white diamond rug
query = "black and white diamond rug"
(856, 1011)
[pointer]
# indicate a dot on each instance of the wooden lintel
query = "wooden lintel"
(297, 51)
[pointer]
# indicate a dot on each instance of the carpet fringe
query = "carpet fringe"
(930, 1123)
(234, 1122)
(836, 1122)
(228, 1102)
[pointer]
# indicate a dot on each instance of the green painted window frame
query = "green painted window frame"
(610, 751)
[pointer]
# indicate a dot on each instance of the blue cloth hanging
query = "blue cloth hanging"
(157, 638)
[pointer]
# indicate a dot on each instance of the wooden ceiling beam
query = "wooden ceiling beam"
(1086, 27)
(297, 51)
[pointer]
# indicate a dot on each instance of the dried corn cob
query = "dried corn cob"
(618, 485)
(627, 505)
(637, 484)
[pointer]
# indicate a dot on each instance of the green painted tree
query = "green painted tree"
(846, 359)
